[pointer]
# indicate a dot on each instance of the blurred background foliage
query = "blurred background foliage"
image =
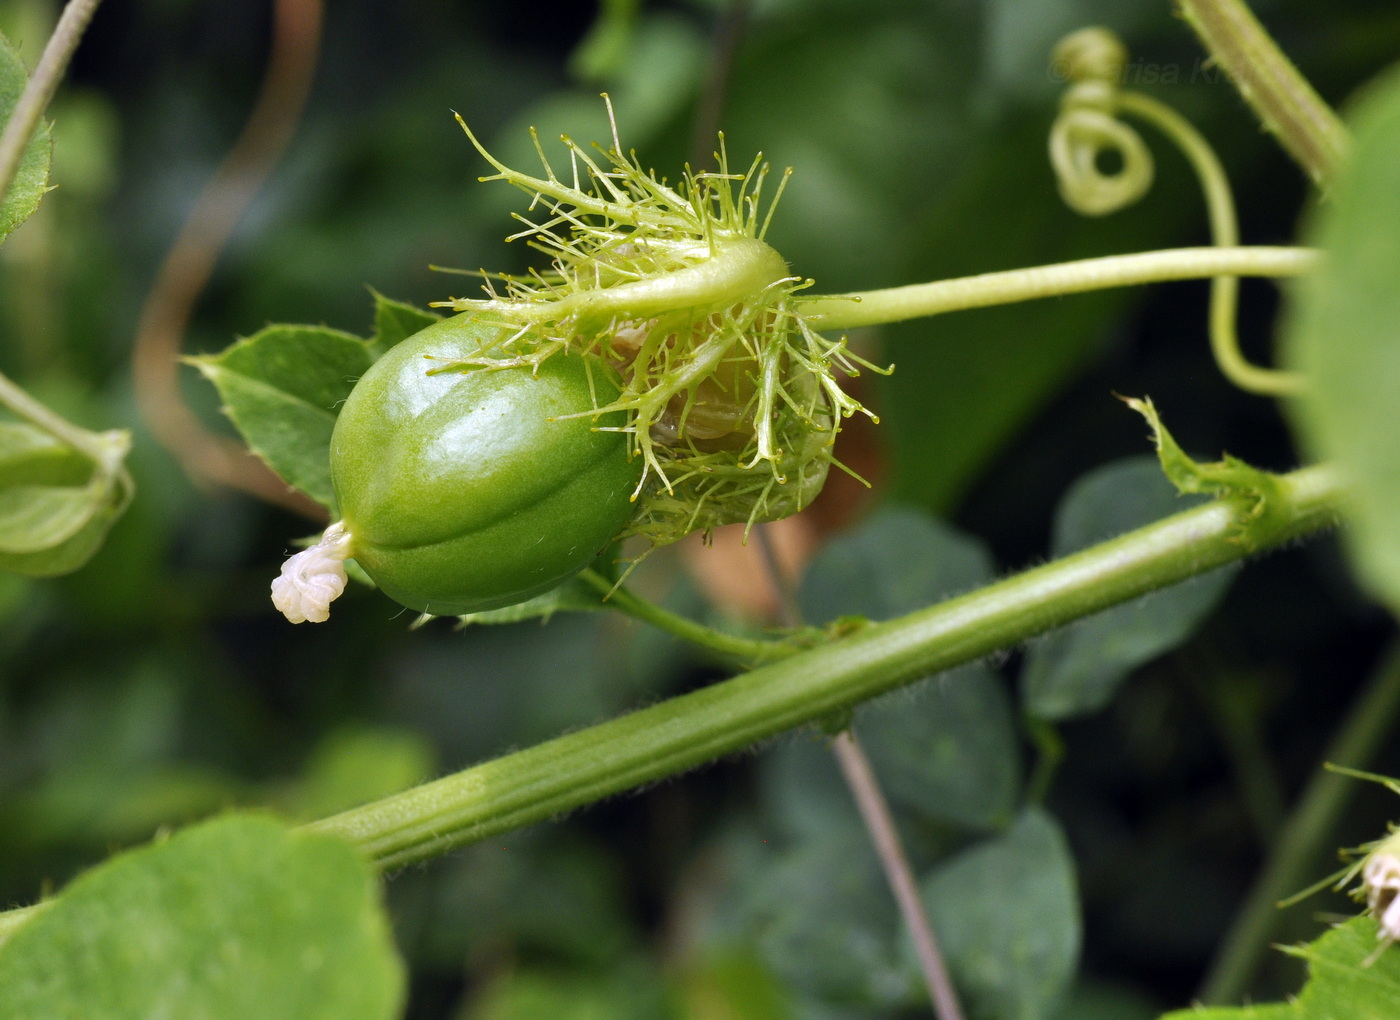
(157, 685)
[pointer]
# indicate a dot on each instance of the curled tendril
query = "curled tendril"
(1093, 60)
(1089, 125)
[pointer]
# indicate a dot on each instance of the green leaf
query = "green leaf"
(1349, 978)
(822, 916)
(609, 42)
(56, 505)
(1007, 918)
(234, 918)
(395, 321)
(1078, 669)
(732, 982)
(355, 766)
(898, 561)
(1343, 334)
(32, 178)
(283, 387)
(627, 994)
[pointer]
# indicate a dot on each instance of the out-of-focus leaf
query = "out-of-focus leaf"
(395, 321)
(945, 750)
(1347, 980)
(1344, 336)
(1007, 917)
(822, 916)
(630, 994)
(733, 984)
(1078, 668)
(283, 387)
(540, 892)
(355, 766)
(608, 43)
(1093, 1000)
(234, 918)
(56, 504)
(31, 181)
(897, 561)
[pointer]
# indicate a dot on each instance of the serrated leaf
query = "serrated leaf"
(1343, 335)
(234, 918)
(56, 504)
(1262, 491)
(1079, 668)
(1348, 979)
(395, 321)
(283, 387)
(32, 177)
(1007, 918)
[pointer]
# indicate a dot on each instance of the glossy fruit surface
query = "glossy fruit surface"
(459, 492)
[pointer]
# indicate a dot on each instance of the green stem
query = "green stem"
(896, 304)
(1308, 829)
(1225, 233)
(24, 119)
(1282, 98)
(730, 645)
(578, 768)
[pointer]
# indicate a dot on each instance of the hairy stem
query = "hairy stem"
(1286, 104)
(728, 645)
(1307, 830)
(896, 304)
(879, 824)
(581, 767)
(42, 85)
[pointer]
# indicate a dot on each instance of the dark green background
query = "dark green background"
(158, 685)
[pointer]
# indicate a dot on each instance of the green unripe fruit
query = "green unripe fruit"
(461, 490)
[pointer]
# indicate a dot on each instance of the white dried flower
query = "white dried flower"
(1380, 877)
(313, 578)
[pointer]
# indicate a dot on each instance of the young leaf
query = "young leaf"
(283, 387)
(1077, 669)
(1344, 336)
(1349, 976)
(55, 503)
(234, 918)
(395, 321)
(32, 178)
(1007, 917)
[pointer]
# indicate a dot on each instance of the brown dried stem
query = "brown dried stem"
(182, 277)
